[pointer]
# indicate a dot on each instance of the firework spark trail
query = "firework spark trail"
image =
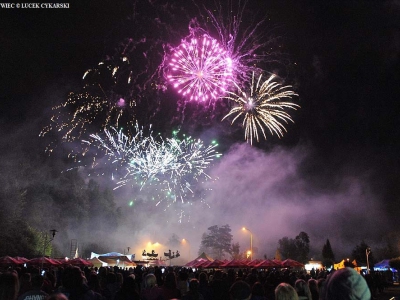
(192, 159)
(262, 106)
(176, 164)
(121, 84)
(250, 47)
(172, 165)
(118, 146)
(98, 105)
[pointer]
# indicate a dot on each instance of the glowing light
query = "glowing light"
(261, 106)
(200, 69)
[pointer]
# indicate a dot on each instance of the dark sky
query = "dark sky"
(343, 60)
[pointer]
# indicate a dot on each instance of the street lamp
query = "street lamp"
(251, 242)
(46, 243)
(367, 252)
(188, 245)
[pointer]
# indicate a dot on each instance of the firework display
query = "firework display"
(104, 101)
(147, 80)
(173, 165)
(200, 69)
(247, 39)
(261, 106)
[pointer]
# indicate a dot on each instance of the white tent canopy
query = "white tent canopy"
(113, 254)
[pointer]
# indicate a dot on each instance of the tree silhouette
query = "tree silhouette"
(297, 249)
(219, 240)
(328, 258)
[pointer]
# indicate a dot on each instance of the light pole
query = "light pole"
(251, 242)
(188, 245)
(172, 255)
(46, 243)
(367, 252)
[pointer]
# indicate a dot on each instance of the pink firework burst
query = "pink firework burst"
(200, 69)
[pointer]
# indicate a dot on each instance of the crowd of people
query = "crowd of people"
(159, 283)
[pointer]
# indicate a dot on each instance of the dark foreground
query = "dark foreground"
(392, 292)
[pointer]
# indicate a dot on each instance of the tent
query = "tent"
(8, 261)
(382, 265)
(291, 263)
(131, 257)
(97, 262)
(253, 262)
(43, 261)
(201, 263)
(21, 259)
(195, 262)
(80, 262)
(119, 261)
(204, 256)
(201, 258)
(235, 263)
(267, 263)
(213, 264)
(115, 259)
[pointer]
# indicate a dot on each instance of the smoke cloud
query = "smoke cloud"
(269, 194)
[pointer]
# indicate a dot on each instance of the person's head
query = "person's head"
(240, 290)
(129, 284)
(302, 288)
(37, 281)
(111, 278)
(119, 277)
(285, 291)
(150, 281)
(312, 283)
(203, 278)
(25, 278)
(93, 281)
(170, 280)
(194, 286)
(72, 278)
(9, 286)
(345, 284)
(217, 275)
(257, 289)
(299, 285)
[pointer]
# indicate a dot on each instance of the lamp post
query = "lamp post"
(46, 243)
(251, 242)
(188, 245)
(367, 252)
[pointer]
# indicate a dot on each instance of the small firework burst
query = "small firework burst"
(262, 106)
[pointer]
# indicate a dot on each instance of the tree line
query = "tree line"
(218, 243)
(38, 195)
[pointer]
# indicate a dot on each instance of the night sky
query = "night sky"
(335, 174)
